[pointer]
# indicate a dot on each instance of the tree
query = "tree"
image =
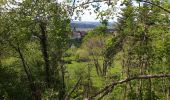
(43, 27)
(133, 61)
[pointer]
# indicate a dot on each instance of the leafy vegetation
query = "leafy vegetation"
(39, 61)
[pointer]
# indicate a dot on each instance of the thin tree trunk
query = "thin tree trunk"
(168, 93)
(140, 83)
(36, 91)
(43, 41)
(0, 59)
(89, 81)
(62, 90)
(125, 92)
(150, 89)
(96, 64)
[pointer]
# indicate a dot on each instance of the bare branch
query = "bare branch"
(110, 87)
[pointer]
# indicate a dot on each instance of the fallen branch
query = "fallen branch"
(110, 87)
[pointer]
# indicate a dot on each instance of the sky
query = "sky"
(87, 16)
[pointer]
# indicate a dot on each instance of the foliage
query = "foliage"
(38, 59)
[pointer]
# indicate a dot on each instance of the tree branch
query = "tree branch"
(95, 1)
(168, 11)
(86, 3)
(73, 89)
(110, 87)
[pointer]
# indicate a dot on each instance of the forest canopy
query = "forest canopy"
(41, 60)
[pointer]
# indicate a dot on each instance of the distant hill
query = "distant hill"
(86, 25)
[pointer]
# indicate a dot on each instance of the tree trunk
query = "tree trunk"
(43, 41)
(62, 90)
(125, 92)
(168, 93)
(35, 90)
